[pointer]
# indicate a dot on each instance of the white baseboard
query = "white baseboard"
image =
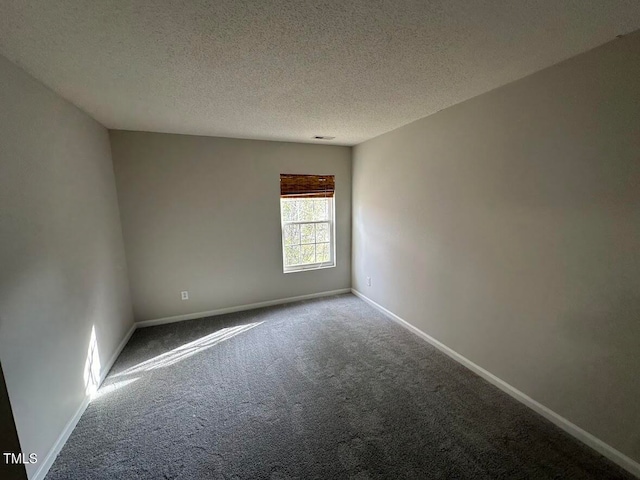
(62, 439)
(71, 424)
(116, 353)
(240, 308)
(585, 437)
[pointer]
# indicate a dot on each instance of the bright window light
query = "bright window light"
(92, 365)
(185, 351)
(307, 233)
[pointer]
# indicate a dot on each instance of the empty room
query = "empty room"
(327, 239)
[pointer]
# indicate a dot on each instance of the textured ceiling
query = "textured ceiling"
(289, 70)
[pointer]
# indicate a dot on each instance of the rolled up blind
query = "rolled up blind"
(307, 186)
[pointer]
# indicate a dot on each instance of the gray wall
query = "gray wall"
(203, 214)
(62, 264)
(508, 228)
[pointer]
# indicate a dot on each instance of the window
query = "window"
(307, 213)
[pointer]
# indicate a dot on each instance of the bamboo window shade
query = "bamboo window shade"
(307, 186)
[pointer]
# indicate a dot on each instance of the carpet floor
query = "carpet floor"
(321, 389)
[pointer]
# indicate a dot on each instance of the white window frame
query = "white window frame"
(332, 239)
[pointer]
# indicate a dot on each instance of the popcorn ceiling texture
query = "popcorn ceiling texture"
(289, 70)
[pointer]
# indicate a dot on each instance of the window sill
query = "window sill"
(309, 269)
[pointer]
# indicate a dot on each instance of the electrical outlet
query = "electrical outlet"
(184, 295)
(369, 281)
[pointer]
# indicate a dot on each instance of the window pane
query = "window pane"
(322, 232)
(292, 234)
(322, 252)
(308, 254)
(321, 209)
(288, 210)
(307, 233)
(306, 242)
(292, 255)
(305, 209)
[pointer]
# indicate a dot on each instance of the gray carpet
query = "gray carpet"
(320, 389)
